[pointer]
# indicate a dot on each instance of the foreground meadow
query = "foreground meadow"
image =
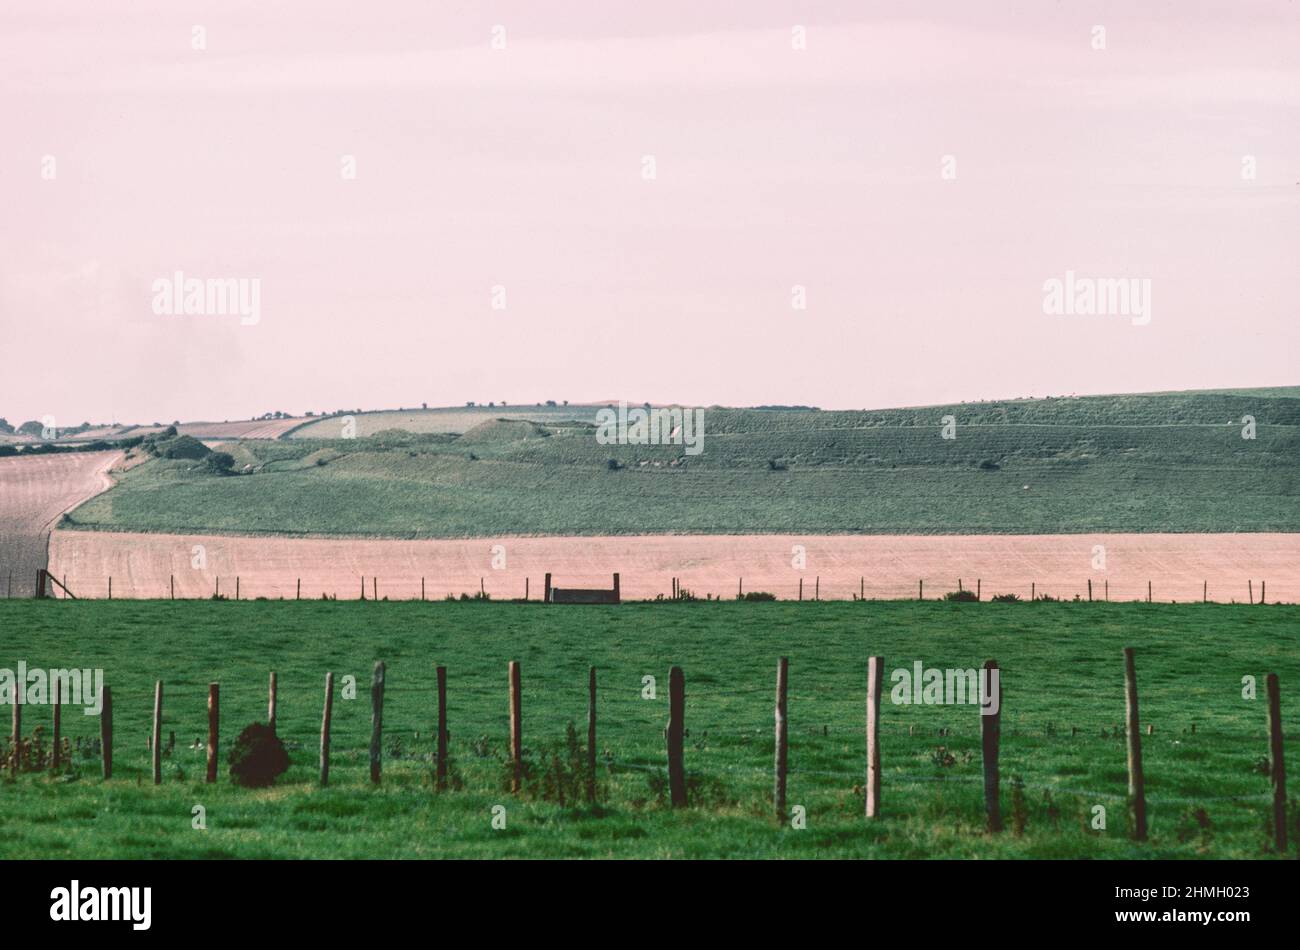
(1062, 749)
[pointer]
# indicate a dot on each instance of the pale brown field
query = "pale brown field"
(34, 492)
(837, 567)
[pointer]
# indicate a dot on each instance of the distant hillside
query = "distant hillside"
(1160, 462)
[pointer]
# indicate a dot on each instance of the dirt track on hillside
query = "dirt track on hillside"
(34, 492)
(884, 566)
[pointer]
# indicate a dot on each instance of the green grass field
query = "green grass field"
(1063, 701)
(1174, 462)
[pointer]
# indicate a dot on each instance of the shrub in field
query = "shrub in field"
(258, 757)
(1006, 598)
(961, 595)
(758, 595)
(219, 463)
(184, 447)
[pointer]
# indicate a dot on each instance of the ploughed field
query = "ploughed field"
(1124, 464)
(1062, 753)
(1179, 567)
(34, 492)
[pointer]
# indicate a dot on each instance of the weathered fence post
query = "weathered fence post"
(1262, 594)
(546, 596)
(862, 588)
(1090, 590)
(57, 753)
(1136, 788)
(171, 583)
(617, 588)
(214, 726)
(801, 589)
(271, 703)
(298, 593)
(236, 587)
(106, 732)
(110, 586)
(990, 737)
(16, 734)
(1205, 591)
(1250, 591)
(516, 729)
(817, 587)
(875, 676)
(374, 581)
(920, 589)
(979, 588)
(377, 723)
(1148, 592)
(674, 734)
(325, 730)
(1276, 762)
(591, 735)
(782, 735)
(157, 732)
(1033, 590)
(440, 771)
(422, 588)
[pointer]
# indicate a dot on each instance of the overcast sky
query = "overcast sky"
(128, 155)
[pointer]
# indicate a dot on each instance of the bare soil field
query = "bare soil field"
(34, 492)
(835, 567)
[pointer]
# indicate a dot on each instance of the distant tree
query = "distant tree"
(31, 427)
(566, 402)
(550, 402)
(5, 427)
(424, 405)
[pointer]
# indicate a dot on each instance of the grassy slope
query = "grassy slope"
(1127, 463)
(1062, 665)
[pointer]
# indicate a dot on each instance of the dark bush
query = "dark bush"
(961, 595)
(184, 447)
(1006, 598)
(219, 463)
(758, 595)
(613, 465)
(258, 757)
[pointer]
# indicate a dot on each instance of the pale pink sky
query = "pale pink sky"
(522, 167)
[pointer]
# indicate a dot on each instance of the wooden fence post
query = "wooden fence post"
(374, 581)
(1148, 592)
(1276, 762)
(16, 734)
(1033, 590)
(1090, 590)
(862, 588)
(421, 588)
(325, 731)
(440, 771)
(875, 676)
(1250, 591)
(674, 734)
(617, 588)
(1262, 594)
(377, 723)
(740, 589)
(236, 587)
(546, 596)
(157, 732)
(57, 753)
(1136, 787)
(171, 583)
(298, 594)
(1205, 591)
(591, 735)
(516, 729)
(271, 703)
(920, 589)
(363, 587)
(106, 732)
(990, 737)
(214, 727)
(801, 590)
(979, 588)
(782, 737)
(525, 588)
(110, 586)
(817, 588)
